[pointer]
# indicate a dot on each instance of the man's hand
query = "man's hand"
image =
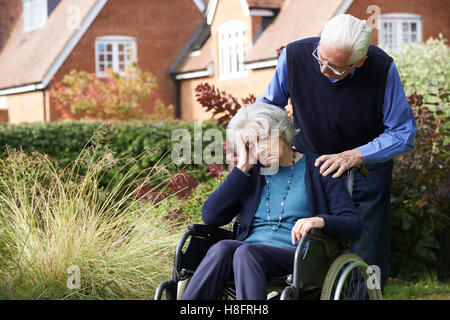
(339, 161)
(302, 227)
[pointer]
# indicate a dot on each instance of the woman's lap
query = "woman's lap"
(247, 262)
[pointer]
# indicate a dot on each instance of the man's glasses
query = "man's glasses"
(323, 62)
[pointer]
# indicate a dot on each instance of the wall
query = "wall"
(435, 14)
(29, 105)
(162, 30)
(255, 83)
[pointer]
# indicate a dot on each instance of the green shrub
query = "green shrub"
(424, 67)
(63, 141)
(421, 198)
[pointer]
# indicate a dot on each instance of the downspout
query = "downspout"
(177, 62)
(45, 107)
(177, 96)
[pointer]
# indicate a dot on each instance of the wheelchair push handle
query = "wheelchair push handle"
(363, 170)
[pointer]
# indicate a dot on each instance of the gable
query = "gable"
(30, 59)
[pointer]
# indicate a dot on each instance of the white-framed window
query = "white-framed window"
(34, 14)
(232, 47)
(115, 53)
(3, 105)
(396, 28)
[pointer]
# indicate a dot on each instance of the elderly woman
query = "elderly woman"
(280, 196)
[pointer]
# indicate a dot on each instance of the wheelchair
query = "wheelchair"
(324, 268)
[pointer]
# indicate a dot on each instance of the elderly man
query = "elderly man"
(350, 106)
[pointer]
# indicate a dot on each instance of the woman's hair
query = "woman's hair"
(344, 31)
(268, 116)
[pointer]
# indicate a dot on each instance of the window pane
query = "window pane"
(231, 54)
(109, 47)
(387, 34)
(405, 27)
(101, 47)
(405, 37)
(238, 58)
(413, 27)
(230, 57)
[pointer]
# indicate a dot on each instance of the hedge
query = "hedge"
(63, 141)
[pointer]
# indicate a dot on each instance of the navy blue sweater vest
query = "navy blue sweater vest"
(334, 117)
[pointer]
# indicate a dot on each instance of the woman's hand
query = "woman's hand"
(244, 155)
(302, 227)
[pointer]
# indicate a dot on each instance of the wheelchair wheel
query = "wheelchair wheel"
(350, 278)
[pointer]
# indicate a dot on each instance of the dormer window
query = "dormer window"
(232, 47)
(34, 14)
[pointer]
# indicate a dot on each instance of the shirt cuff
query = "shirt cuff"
(366, 151)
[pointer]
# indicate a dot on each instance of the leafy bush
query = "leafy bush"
(220, 103)
(421, 197)
(111, 97)
(146, 142)
(424, 67)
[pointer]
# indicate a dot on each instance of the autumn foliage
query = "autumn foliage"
(113, 97)
(221, 104)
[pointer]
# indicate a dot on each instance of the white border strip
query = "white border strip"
(200, 5)
(193, 75)
(73, 41)
(261, 13)
(21, 89)
(67, 50)
(261, 64)
(343, 7)
(211, 11)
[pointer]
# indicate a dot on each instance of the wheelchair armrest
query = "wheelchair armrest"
(318, 233)
(329, 249)
(210, 231)
(330, 243)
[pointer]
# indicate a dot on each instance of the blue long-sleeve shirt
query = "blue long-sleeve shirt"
(398, 118)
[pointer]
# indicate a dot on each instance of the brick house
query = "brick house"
(229, 43)
(42, 40)
(237, 49)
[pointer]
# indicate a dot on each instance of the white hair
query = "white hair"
(344, 31)
(269, 117)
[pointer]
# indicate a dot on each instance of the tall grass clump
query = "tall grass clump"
(54, 221)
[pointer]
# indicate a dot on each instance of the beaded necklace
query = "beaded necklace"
(283, 196)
